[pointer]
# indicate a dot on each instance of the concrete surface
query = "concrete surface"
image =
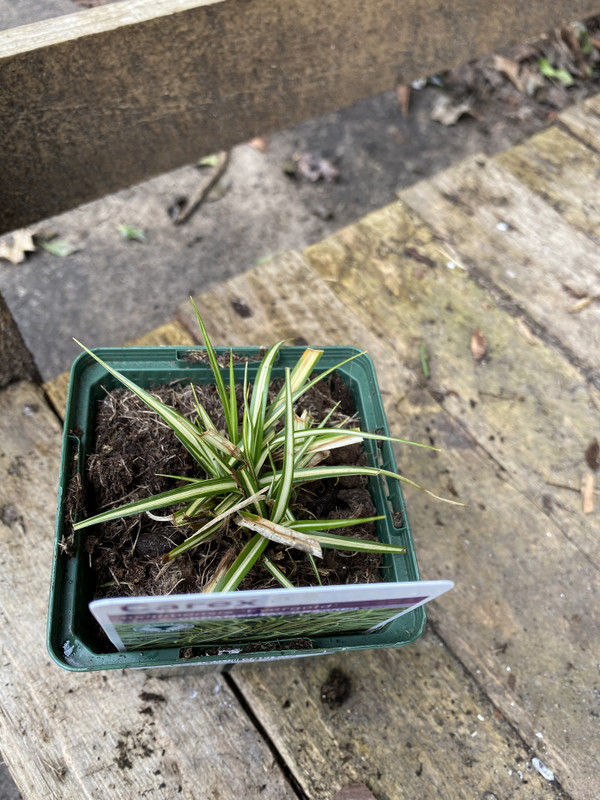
(8, 790)
(112, 289)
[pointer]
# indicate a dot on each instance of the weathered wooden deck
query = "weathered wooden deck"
(509, 668)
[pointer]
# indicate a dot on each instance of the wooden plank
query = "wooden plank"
(510, 238)
(429, 705)
(524, 403)
(524, 615)
(513, 545)
(413, 725)
(583, 121)
(170, 333)
(134, 89)
(564, 172)
(100, 734)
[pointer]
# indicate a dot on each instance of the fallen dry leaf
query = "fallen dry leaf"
(313, 167)
(14, 247)
(580, 305)
(574, 291)
(509, 68)
(479, 345)
(446, 111)
(403, 95)
(259, 143)
(587, 492)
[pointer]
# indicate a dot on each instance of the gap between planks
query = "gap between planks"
(494, 610)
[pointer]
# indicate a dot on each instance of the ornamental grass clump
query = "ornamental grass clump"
(254, 468)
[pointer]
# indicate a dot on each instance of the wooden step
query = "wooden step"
(508, 669)
(515, 619)
(97, 735)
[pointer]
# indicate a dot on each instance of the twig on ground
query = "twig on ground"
(202, 191)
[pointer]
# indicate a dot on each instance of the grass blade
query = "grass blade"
(184, 430)
(202, 412)
(248, 557)
(219, 382)
(258, 403)
(222, 443)
(302, 434)
(330, 524)
(300, 373)
(233, 409)
(182, 494)
(192, 541)
(320, 473)
(333, 541)
(220, 572)
(283, 487)
(274, 413)
(276, 573)
(212, 526)
(315, 569)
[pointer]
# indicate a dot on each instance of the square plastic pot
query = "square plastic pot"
(70, 624)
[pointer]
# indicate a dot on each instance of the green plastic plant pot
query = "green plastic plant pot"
(70, 625)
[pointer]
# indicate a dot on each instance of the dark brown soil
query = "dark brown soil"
(133, 451)
(336, 689)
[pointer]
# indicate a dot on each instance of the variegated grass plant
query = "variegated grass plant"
(254, 468)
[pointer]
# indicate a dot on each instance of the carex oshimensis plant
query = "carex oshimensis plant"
(254, 468)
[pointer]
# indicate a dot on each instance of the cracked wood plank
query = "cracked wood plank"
(564, 172)
(414, 725)
(583, 121)
(529, 409)
(524, 616)
(514, 241)
(524, 403)
(134, 89)
(98, 734)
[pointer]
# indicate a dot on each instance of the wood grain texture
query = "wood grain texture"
(564, 172)
(112, 735)
(583, 121)
(414, 726)
(524, 403)
(434, 743)
(515, 617)
(523, 615)
(171, 333)
(513, 240)
(133, 89)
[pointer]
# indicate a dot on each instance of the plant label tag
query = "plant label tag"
(264, 615)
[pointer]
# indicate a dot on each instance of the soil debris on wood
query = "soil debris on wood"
(336, 689)
(592, 455)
